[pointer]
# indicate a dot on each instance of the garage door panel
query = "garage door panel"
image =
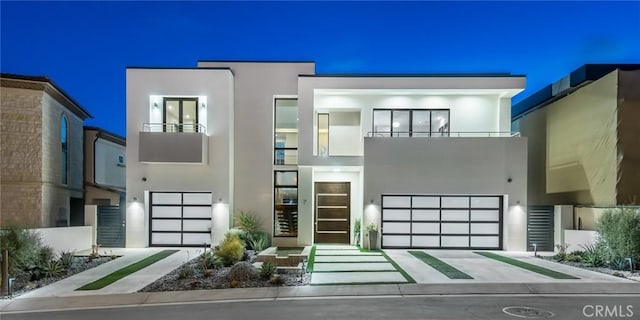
(196, 239)
(397, 214)
(454, 241)
(425, 241)
(196, 225)
(196, 212)
(485, 202)
(425, 215)
(485, 228)
(396, 241)
(166, 198)
(485, 215)
(455, 228)
(396, 227)
(455, 215)
(485, 242)
(166, 225)
(166, 212)
(425, 202)
(196, 198)
(396, 202)
(166, 238)
(425, 227)
(455, 202)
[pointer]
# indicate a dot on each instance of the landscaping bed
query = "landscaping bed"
(191, 276)
(635, 275)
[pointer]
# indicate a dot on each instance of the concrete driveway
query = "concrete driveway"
(486, 270)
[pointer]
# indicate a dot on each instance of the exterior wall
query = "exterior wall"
(450, 166)
(104, 177)
(215, 176)
(21, 157)
(565, 165)
(67, 238)
(628, 187)
(562, 220)
(256, 85)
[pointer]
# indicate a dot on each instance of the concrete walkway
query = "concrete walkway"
(129, 284)
(343, 264)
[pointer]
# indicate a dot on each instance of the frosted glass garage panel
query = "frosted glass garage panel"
(396, 202)
(455, 215)
(485, 242)
(454, 241)
(396, 241)
(396, 214)
(426, 202)
(166, 198)
(485, 228)
(166, 225)
(197, 212)
(196, 238)
(459, 228)
(455, 202)
(485, 215)
(166, 212)
(196, 198)
(426, 215)
(485, 202)
(425, 241)
(196, 225)
(425, 228)
(396, 227)
(165, 238)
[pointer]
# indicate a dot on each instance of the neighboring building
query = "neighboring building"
(584, 148)
(105, 176)
(431, 159)
(42, 153)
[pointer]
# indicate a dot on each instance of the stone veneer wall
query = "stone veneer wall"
(21, 152)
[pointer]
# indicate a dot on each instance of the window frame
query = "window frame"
(165, 125)
(297, 204)
(391, 110)
(275, 127)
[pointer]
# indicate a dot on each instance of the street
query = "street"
(372, 308)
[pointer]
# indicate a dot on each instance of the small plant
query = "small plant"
(66, 258)
(559, 257)
(210, 261)
(267, 270)
(95, 251)
(259, 241)
(619, 263)
(185, 272)
(248, 222)
(593, 256)
(53, 268)
(357, 229)
(231, 249)
(575, 256)
(242, 271)
(372, 227)
(562, 248)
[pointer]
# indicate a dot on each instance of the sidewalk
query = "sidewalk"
(280, 293)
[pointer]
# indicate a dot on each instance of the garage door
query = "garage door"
(180, 219)
(448, 222)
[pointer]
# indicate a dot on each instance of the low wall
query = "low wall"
(575, 238)
(66, 238)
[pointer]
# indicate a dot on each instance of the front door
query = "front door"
(180, 115)
(332, 212)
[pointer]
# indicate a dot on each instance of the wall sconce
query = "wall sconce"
(219, 200)
(509, 180)
(135, 199)
(371, 201)
(155, 105)
(518, 202)
(202, 105)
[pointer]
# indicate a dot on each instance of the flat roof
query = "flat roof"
(412, 75)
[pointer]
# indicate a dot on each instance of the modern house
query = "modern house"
(431, 159)
(583, 150)
(41, 153)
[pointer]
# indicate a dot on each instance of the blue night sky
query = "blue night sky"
(85, 46)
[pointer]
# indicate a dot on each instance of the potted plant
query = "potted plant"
(372, 231)
(356, 232)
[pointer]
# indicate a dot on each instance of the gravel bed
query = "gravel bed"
(219, 278)
(22, 283)
(635, 275)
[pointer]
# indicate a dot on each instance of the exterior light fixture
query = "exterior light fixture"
(155, 105)
(202, 105)
(135, 199)
(219, 200)
(535, 250)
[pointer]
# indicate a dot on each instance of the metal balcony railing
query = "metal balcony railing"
(173, 127)
(431, 134)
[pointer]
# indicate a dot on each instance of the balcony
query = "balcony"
(438, 134)
(173, 143)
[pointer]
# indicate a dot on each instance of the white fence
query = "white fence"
(577, 238)
(66, 238)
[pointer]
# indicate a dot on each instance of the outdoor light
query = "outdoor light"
(202, 105)
(155, 105)
(535, 250)
(630, 264)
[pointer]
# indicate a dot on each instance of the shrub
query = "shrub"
(618, 263)
(593, 255)
(619, 231)
(66, 259)
(23, 247)
(242, 271)
(574, 256)
(248, 222)
(559, 257)
(276, 279)
(239, 233)
(231, 249)
(357, 229)
(53, 268)
(267, 270)
(259, 241)
(210, 261)
(185, 272)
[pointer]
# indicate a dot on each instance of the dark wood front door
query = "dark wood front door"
(332, 212)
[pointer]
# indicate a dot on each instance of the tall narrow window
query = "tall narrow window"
(285, 203)
(323, 134)
(285, 136)
(410, 123)
(180, 115)
(64, 150)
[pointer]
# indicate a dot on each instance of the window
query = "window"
(285, 136)
(64, 150)
(180, 115)
(410, 123)
(285, 203)
(323, 134)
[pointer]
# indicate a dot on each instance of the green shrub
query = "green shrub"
(267, 270)
(593, 255)
(241, 234)
(231, 249)
(23, 247)
(185, 272)
(210, 261)
(66, 258)
(53, 268)
(45, 254)
(259, 241)
(574, 256)
(248, 222)
(619, 231)
(560, 256)
(619, 263)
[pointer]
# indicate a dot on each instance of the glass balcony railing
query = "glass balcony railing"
(429, 134)
(173, 127)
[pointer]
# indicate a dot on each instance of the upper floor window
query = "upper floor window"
(64, 150)
(285, 136)
(410, 122)
(180, 115)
